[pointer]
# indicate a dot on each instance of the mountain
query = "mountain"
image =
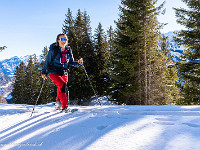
(7, 70)
(8, 66)
(176, 50)
(5, 84)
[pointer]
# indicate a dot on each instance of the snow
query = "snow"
(108, 127)
(7, 85)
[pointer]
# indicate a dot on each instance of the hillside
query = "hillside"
(7, 70)
(5, 84)
(95, 127)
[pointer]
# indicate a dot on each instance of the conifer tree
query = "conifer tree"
(79, 33)
(43, 55)
(32, 80)
(190, 64)
(168, 91)
(111, 60)
(102, 58)
(137, 53)
(111, 52)
(69, 29)
(28, 82)
(111, 38)
(18, 92)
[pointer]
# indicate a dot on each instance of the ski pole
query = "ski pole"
(91, 84)
(38, 97)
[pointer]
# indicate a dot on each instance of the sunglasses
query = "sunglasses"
(63, 39)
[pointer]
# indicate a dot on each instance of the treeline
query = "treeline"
(28, 82)
(129, 64)
(189, 66)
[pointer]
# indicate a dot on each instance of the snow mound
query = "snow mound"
(101, 100)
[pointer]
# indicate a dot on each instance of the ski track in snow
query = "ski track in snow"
(166, 127)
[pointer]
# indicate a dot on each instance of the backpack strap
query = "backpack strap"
(57, 50)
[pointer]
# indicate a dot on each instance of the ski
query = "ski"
(68, 110)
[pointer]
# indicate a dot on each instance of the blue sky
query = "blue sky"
(27, 26)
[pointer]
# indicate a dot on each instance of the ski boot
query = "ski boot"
(58, 104)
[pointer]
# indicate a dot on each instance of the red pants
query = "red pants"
(61, 82)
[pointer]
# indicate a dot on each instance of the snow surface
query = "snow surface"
(110, 127)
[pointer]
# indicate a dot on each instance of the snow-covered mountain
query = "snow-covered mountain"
(7, 69)
(176, 50)
(5, 84)
(8, 66)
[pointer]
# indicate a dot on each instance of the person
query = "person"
(56, 65)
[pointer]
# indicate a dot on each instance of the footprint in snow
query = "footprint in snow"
(102, 127)
(192, 125)
(165, 121)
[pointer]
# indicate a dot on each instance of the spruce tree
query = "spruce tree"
(102, 58)
(19, 85)
(28, 82)
(111, 52)
(111, 37)
(79, 33)
(69, 29)
(125, 66)
(32, 80)
(167, 91)
(137, 67)
(189, 65)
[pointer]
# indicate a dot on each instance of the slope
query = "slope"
(95, 127)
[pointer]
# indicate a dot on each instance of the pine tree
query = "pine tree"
(190, 64)
(124, 69)
(167, 91)
(28, 82)
(111, 38)
(111, 41)
(111, 55)
(102, 58)
(69, 29)
(18, 93)
(32, 80)
(79, 33)
(43, 55)
(137, 53)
